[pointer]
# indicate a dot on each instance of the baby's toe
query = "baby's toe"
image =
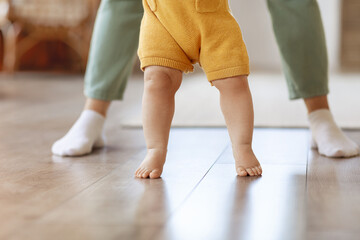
(241, 172)
(140, 172)
(258, 170)
(250, 171)
(145, 174)
(254, 171)
(137, 172)
(156, 173)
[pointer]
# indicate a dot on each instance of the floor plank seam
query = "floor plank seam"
(306, 181)
(188, 195)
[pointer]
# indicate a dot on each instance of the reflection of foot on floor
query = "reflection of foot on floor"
(84, 135)
(246, 163)
(152, 166)
(328, 137)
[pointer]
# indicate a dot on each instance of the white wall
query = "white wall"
(255, 23)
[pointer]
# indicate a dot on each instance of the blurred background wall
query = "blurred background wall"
(255, 23)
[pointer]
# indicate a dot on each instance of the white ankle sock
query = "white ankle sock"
(328, 137)
(85, 134)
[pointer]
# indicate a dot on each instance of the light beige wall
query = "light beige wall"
(255, 23)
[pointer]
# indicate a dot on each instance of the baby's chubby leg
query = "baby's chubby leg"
(160, 86)
(237, 107)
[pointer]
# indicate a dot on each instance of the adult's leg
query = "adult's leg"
(160, 86)
(113, 48)
(300, 35)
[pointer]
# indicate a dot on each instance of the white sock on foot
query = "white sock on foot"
(328, 137)
(85, 134)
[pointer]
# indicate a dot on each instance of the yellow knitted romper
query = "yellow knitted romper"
(179, 33)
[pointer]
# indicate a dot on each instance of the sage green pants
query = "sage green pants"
(297, 26)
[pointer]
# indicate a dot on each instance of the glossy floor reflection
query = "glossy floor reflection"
(224, 206)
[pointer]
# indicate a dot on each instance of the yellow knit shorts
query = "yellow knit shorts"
(179, 33)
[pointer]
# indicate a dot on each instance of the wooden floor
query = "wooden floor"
(301, 195)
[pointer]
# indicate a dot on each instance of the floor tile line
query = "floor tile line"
(190, 193)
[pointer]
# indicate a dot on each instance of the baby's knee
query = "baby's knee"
(159, 78)
(236, 84)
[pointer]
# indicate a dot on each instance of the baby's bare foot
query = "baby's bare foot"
(152, 166)
(246, 162)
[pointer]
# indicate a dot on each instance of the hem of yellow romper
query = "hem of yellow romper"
(228, 72)
(158, 61)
